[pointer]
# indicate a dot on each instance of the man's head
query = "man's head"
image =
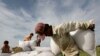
(6, 42)
(39, 29)
(31, 34)
(43, 30)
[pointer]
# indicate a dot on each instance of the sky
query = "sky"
(19, 17)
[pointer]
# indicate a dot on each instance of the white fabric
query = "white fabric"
(25, 45)
(21, 54)
(33, 44)
(48, 53)
(34, 53)
(42, 49)
(39, 51)
(54, 47)
(65, 41)
(85, 41)
(5, 54)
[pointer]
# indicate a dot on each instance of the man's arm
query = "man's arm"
(71, 26)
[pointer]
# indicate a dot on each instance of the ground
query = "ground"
(84, 54)
(97, 50)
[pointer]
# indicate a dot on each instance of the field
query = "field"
(97, 50)
(84, 54)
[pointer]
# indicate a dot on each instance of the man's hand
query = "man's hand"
(92, 27)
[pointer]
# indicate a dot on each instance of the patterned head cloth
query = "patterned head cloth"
(39, 29)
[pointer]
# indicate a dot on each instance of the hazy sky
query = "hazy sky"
(18, 17)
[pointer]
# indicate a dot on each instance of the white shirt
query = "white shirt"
(64, 40)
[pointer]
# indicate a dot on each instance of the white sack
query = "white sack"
(25, 45)
(85, 39)
(5, 54)
(54, 47)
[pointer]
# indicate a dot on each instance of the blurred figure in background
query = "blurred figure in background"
(6, 47)
(38, 41)
(28, 38)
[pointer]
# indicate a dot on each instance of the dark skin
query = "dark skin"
(6, 47)
(40, 30)
(48, 31)
(28, 38)
(31, 34)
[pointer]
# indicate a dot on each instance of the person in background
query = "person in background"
(28, 38)
(6, 47)
(38, 41)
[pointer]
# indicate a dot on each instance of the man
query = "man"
(61, 36)
(6, 47)
(38, 41)
(28, 38)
